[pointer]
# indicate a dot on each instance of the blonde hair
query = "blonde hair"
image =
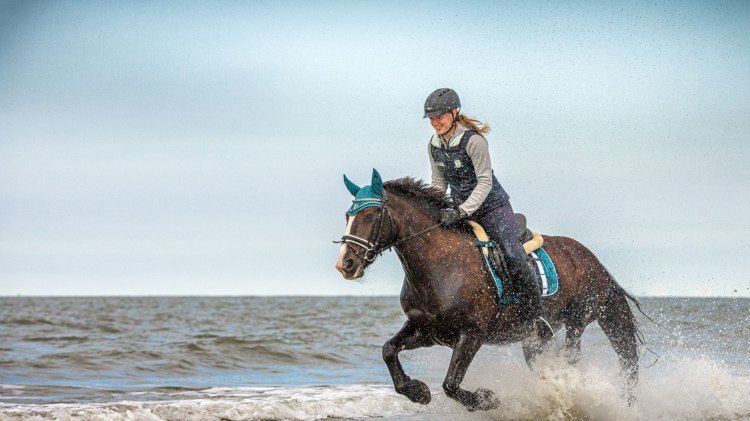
(473, 124)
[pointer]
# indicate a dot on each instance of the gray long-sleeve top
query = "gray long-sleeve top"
(479, 152)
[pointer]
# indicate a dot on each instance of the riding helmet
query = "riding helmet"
(440, 102)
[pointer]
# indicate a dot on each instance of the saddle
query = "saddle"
(531, 240)
(524, 233)
(532, 245)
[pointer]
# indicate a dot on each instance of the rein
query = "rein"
(372, 249)
(405, 239)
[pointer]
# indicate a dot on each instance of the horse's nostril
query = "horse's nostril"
(348, 264)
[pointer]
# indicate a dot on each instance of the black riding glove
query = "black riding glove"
(450, 216)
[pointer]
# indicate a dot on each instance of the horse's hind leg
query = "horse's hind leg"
(577, 316)
(573, 333)
(409, 337)
(532, 347)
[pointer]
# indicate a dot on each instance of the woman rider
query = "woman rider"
(460, 159)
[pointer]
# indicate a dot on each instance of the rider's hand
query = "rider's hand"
(450, 216)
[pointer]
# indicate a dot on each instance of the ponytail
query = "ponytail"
(473, 124)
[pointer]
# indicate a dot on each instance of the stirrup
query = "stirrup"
(543, 329)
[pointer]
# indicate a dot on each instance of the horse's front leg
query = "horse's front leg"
(409, 337)
(463, 353)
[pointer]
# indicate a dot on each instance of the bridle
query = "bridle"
(373, 249)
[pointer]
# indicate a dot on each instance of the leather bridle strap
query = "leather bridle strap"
(366, 245)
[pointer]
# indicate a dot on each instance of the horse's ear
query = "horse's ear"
(353, 188)
(376, 184)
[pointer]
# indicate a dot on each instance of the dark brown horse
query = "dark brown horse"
(450, 299)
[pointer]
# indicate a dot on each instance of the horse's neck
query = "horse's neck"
(418, 254)
(409, 218)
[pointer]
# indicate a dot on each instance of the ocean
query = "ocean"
(309, 358)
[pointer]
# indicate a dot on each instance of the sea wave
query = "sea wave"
(310, 403)
(686, 389)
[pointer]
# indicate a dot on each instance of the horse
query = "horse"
(450, 299)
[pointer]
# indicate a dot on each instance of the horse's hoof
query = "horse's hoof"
(485, 400)
(417, 392)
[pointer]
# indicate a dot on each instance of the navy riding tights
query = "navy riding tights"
(502, 228)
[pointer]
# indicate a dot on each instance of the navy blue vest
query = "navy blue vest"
(457, 169)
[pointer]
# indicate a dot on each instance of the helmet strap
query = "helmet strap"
(455, 122)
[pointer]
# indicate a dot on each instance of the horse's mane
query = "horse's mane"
(419, 190)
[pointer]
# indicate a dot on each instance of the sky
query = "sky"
(197, 148)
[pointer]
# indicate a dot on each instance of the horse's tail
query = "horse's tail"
(621, 327)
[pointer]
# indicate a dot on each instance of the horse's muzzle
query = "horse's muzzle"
(350, 269)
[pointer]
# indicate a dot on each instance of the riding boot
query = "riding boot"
(532, 297)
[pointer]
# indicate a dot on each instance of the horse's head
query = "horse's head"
(364, 234)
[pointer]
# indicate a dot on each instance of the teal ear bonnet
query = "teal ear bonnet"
(367, 196)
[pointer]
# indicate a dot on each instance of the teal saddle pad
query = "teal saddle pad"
(543, 266)
(547, 274)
